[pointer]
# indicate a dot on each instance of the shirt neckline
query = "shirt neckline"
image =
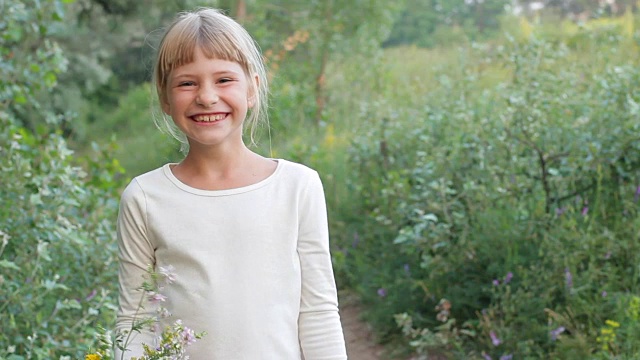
(166, 169)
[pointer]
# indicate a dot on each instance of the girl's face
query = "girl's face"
(208, 100)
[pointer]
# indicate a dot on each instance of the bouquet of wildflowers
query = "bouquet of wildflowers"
(173, 340)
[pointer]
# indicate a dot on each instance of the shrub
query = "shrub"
(514, 202)
(57, 212)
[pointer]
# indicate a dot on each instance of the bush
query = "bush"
(141, 145)
(57, 212)
(514, 204)
(58, 247)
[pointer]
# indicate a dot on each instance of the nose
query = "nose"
(207, 96)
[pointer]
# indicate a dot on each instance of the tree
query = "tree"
(56, 228)
(315, 33)
(420, 19)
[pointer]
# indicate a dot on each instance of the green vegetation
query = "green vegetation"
(483, 192)
(514, 203)
(56, 235)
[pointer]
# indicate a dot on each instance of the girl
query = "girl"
(246, 235)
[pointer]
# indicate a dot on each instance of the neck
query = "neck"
(217, 160)
(216, 170)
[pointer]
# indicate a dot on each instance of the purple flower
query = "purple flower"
(568, 278)
(188, 336)
(507, 279)
(163, 313)
(486, 356)
(168, 273)
(407, 269)
(155, 297)
(494, 339)
(506, 357)
(382, 292)
(585, 211)
(555, 333)
(91, 295)
(155, 328)
(560, 211)
(604, 293)
(496, 282)
(637, 194)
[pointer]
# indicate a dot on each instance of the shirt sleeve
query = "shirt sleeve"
(320, 331)
(135, 254)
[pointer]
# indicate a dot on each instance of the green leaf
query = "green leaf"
(52, 284)
(14, 34)
(43, 251)
(20, 99)
(50, 79)
(8, 265)
(35, 199)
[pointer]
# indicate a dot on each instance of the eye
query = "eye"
(225, 80)
(186, 83)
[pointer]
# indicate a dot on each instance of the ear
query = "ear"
(253, 92)
(165, 106)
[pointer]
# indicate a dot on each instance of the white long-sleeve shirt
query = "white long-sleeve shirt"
(253, 264)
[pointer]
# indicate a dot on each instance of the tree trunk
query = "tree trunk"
(320, 84)
(327, 13)
(480, 17)
(241, 11)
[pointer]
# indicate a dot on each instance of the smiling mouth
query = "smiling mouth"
(209, 117)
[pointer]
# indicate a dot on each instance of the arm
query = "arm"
(320, 331)
(135, 254)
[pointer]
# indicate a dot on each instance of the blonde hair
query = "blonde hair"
(217, 36)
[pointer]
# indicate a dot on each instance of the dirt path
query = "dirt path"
(358, 335)
(360, 343)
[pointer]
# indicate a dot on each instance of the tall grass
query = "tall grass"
(494, 189)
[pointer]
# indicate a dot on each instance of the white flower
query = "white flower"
(168, 273)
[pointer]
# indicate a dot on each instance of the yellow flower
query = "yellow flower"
(92, 357)
(330, 137)
(634, 308)
(612, 323)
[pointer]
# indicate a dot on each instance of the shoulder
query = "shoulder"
(143, 183)
(300, 176)
(296, 170)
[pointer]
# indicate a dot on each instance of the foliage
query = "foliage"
(31, 62)
(308, 37)
(513, 201)
(56, 252)
(141, 146)
(430, 23)
(57, 246)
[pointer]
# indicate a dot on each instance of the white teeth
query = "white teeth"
(209, 118)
